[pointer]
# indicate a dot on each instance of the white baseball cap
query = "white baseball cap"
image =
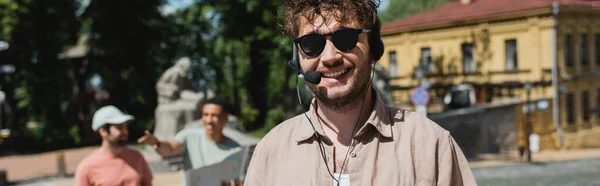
(109, 115)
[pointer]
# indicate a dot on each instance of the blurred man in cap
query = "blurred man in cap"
(113, 163)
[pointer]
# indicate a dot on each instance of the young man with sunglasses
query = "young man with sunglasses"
(349, 137)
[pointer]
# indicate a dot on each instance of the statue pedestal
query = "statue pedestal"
(172, 117)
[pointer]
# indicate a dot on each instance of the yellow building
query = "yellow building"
(499, 46)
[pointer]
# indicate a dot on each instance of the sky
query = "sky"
(173, 5)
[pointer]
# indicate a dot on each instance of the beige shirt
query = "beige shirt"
(394, 147)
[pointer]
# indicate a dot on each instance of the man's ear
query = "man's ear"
(102, 132)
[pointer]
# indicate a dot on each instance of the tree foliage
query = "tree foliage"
(40, 89)
(237, 49)
(397, 9)
(127, 48)
(246, 54)
(262, 56)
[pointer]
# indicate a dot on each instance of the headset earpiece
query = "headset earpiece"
(375, 42)
(295, 61)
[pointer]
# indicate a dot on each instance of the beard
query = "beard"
(117, 141)
(345, 101)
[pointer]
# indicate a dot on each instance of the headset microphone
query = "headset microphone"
(310, 76)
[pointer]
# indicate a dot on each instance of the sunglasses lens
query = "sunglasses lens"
(312, 44)
(345, 40)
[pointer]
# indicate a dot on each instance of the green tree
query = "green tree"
(401, 8)
(40, 89)
(191, 34)
(247, 54)
(127, 48)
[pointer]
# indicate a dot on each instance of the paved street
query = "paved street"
(160, 179)
(46, 165)
(573, 172)
(565, 173)
(573, 167)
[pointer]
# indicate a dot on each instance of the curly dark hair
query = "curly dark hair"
(343, 11)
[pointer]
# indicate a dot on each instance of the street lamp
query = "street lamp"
(529, 126)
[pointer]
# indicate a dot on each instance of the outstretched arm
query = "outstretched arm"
(164, 148)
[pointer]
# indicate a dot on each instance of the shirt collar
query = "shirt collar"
(379, 118)
(309, 121)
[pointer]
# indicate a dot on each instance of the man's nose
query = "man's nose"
(331, 56)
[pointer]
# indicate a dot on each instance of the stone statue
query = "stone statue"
(178, 103)
(173, 81)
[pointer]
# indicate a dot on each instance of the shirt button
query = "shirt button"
(353, 155)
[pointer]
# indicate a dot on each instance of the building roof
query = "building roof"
(456, 11)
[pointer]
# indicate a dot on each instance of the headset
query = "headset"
(376, 48)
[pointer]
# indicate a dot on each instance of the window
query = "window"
(469, 65)
(426, 61)
(568, 51)
(510, 48)
(393, 64)
(570, 108)
(585, 106)
(583, 50)
(597, 47)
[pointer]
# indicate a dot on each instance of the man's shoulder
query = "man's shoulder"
(230, 142)
(282, 134)
(132, 152)
(90, 160)
(285, 128)
(85, 162)
(415, 123)
(191, 132)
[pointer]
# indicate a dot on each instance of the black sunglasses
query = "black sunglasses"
(344, 39)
